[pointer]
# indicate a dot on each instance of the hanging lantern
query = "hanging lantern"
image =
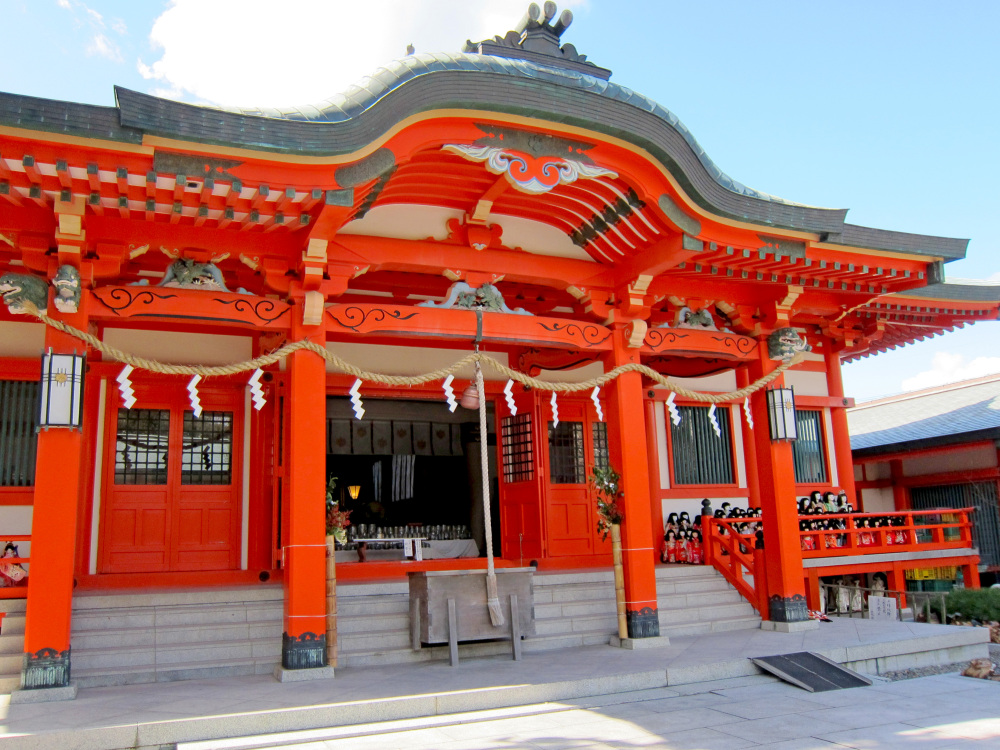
(781, 413)
(354, 490)
(61, 392)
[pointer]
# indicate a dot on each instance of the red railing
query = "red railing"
(14, 591)
(734, 555)
(919, 530)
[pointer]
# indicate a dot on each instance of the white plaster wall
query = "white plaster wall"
(21, 339)
(409, 360)
(722, 382)
(420, 222)
(877, 470)
(807, 383)
(663, 459)
(16, 520)
(736, 418)
(578, 375)
(878, 500)
(934, 463)
(181, 348)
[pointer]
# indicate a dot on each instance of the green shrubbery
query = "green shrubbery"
(975, 604)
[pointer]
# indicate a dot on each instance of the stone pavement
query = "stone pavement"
(159, 715)
(947, 711)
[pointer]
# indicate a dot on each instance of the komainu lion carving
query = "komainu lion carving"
(699, 320)
(20, 288)
(67, 286)
(785, 343)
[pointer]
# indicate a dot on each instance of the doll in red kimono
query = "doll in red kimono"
(808, 542)
(668, 554)
(683, 547)
(697, 556)
(11, 573)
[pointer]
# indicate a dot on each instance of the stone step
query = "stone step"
(10, 664)
(10, 683)
(569, 640)
(705, 614)
(132, 675)
(349, 625)
(426, 653)
(569, 626)
(694, 585)
(749, 622)
(388, 639)
(370, 605)
(699, 599)
(13, 624)
(12, 644)
(8, 606)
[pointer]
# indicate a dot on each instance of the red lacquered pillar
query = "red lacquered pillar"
(303, 643)
(58, 488)
(838, 418)
(629, 455)
(779, 509)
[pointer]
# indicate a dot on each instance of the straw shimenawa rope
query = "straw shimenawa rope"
(145, 363)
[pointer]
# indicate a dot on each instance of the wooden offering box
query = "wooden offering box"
(448, 606)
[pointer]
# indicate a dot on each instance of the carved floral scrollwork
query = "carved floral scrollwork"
(588, 335)
(120, 299)
(353, 318)
(742, 344)
(265, 310)
(657, 337)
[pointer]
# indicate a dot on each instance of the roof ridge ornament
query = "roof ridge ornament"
(536, 40)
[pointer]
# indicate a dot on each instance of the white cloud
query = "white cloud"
(947, 367)
(261, 53)
(101, 46)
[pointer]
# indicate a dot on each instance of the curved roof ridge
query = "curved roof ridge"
(368, 90)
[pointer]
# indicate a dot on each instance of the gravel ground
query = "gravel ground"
(909, 674)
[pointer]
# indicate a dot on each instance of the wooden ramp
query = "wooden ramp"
(810, 671)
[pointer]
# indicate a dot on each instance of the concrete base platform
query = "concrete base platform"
(790, 627)
(44, 695)
(639, 644)
(160, 714)
(302, 675)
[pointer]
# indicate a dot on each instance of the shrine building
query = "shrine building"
(335, 261)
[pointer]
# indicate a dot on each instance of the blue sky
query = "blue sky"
(887, 108)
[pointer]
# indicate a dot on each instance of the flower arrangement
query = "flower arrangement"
(337, 520)
(605, 481)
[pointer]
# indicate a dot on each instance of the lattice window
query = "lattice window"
(208, 448)
(566, 453)
(699, 455)
(807, 449)
(599, 433)
(518, 465)
(141, 448)
(18, 424)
